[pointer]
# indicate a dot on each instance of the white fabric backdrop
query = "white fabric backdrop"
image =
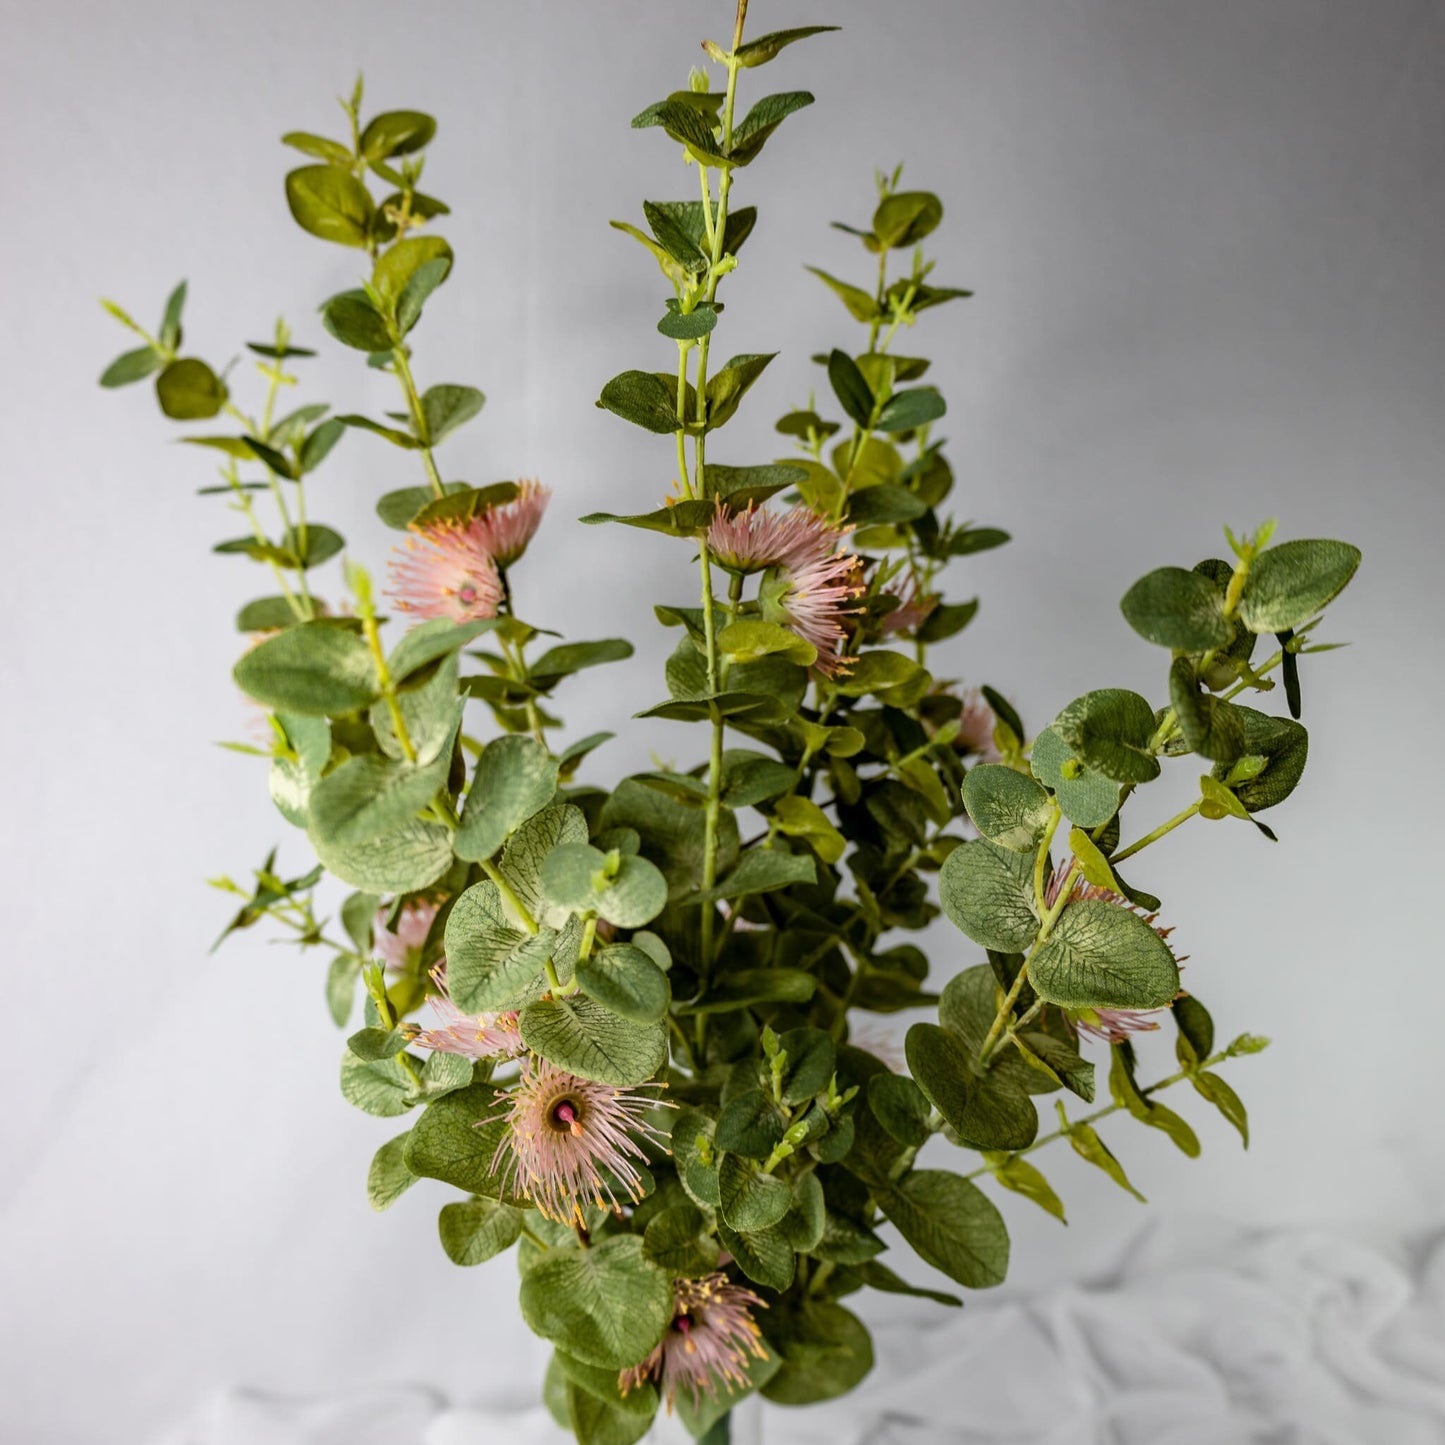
(1205, 241)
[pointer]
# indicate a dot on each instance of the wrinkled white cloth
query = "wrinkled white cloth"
(1294, 1337)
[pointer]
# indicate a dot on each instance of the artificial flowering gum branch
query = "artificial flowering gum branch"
(621, 1030)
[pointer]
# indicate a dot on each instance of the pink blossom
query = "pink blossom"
(447, 570)
(707, 1343)
(402, 949)
(572, 1141)
(753, 539)
(818, 596)
(914, 608)
(504, 530)
(473, 1036)
(976, 723)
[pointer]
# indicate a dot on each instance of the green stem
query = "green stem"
(1106, 1111)
(418, 417)
(367, 609)
(1158, 833)
(510, 898)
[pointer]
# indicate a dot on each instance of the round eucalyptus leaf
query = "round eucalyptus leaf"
(1086, 797)
(1102, 955)
(952, 1225)
(1277, 749)
(987, 891)
(1288, 584)
(1177, 609)
(331, 203)
(1006, 807)
(624, 979)
(606, 1306)
(1111, 730)
(188, 390)
(586, 1039)
(750, 1199)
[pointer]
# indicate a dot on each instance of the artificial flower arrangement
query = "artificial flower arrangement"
(621, 1020)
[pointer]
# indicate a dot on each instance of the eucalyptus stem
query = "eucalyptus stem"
(418, 417)
(1157, 833)
(1108, 1109)
(243, 504)
(367, 609)
(511, 899)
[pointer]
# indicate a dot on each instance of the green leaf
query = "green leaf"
(569, 657)
(1212, 727)
(331, 203)
(811, 1059)
(685, 124)
(951, 1225)
(1085, 796)
(1288, 584)
(607, 1305)
(746, 987)
(377, 1086)
(948, 620)
(396, 133)
(884, 505)
(1177, 609)
(825, 1352)
(750, 1125)
(131, 366)
(188, 390)
(695, 1157)
(764, 1255)
(1196, 1031)
(1022, 1178)
(1222, 1096)
(907, 410)
(861, 305)
(1275, 752)
(674, 239)
(1006, 807)
(528, 847)
(749, 1199)
(586, 1039)
(318, 146)
(986, 1111)
(901, 1107)
(456, 1139)
(446, 407)
(394, 435)
(395, 267)
(490, 964)
(515, 778)
(751, 778)
(405, 860)
(1087, 1145)
(1111, 730)
(679, 1241)
(752, 131)
(673, 833)
(625, 980)
(727, 386)
(690, 325)
(643, 398)
(853, 392)
(906, 217)
(1103, 955)
(318, 444)
(1126, 1093)
(765, 47)
(424, 280)
(369, 795)
(988, 892)
(315, 668)
(388, 1178)
(265, 614)
(750, 639)
(351, 318)
(476, 1230)
(800, 817)
(429, 642)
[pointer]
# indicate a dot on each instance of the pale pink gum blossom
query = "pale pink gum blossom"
(752, 539)
(820, 595)
(473, 1036)
(1112, 1025)
(505, 530)
(915, 607)
(446, 570)
(707, 1343)
(975, 727)
(572, 1141)
(402, 948)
